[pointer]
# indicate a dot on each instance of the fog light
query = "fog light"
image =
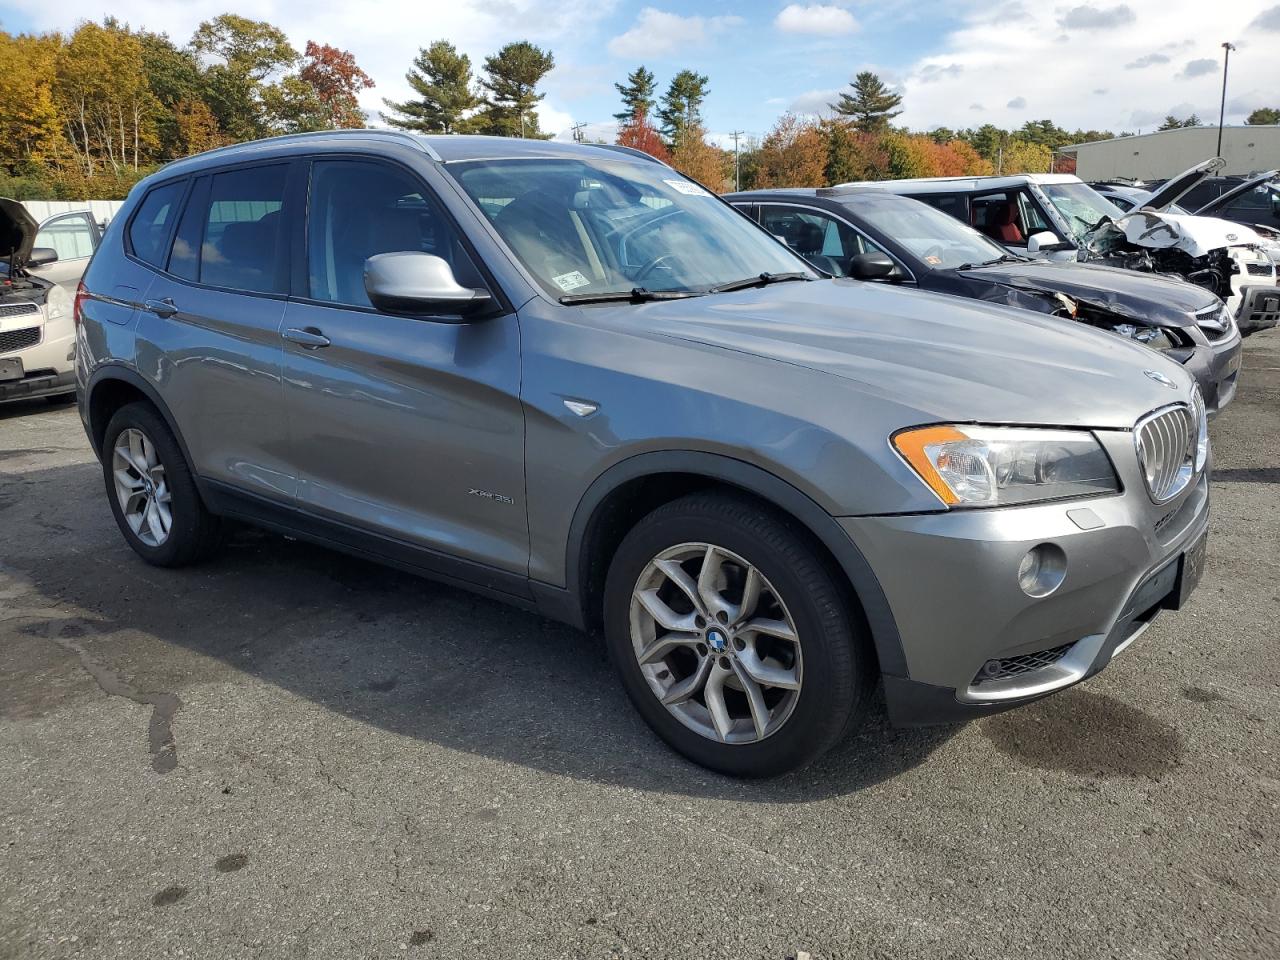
(1042, 570)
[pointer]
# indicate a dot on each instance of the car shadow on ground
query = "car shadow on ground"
(401, 653)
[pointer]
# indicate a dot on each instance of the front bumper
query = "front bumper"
(1216, 367)
(1259, 308)
(951, 581)
(39, 384)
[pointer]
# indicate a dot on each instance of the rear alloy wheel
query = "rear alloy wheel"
(153, 495)
(733, 637)
(142, 492)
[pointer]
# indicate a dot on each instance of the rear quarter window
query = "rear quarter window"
(151, 226)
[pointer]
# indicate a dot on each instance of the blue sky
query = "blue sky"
(1082, 63)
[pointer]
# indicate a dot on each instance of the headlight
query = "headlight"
(997, 466)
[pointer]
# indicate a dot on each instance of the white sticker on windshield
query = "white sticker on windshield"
(571, 281)
(687, 188)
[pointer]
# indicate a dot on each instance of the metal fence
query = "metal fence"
(102, 210)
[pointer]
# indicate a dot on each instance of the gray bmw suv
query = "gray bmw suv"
(568, 377)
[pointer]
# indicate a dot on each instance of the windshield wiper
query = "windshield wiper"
(634, 295)
(1003, 258)
(759, 280)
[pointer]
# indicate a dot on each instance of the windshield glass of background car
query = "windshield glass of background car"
(939, 240)
(1081, 205)
(594, 226)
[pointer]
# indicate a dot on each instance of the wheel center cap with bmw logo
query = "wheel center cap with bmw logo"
(1161, 378)
(716, 641)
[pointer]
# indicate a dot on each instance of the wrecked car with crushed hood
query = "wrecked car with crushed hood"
(1057, 216)
(37, 330)
(877, 236)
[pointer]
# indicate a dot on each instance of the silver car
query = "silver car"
(569, 378)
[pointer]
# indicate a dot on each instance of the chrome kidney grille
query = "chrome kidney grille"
(1166, 441)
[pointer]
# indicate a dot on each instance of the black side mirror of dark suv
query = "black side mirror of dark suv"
(420, 283)
(871, 266)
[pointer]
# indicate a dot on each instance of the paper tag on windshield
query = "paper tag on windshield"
(687, 188)
(571, 281)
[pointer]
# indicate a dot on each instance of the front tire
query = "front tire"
(733, 638)
(152, 493)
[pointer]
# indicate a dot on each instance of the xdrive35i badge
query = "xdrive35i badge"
(1159, 377)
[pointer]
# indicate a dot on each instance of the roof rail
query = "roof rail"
(365, 132)
(619, 148)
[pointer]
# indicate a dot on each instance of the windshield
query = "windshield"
(588, 226)
(938, 240)
(1082, 206)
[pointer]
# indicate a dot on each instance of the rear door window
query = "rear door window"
(153, 223)
(244, 241)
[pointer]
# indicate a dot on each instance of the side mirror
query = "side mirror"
(871, 266)
(42, 256)
(413, 282)
(1042, 240)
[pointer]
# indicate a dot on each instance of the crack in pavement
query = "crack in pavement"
(62, 631)
(160, 739)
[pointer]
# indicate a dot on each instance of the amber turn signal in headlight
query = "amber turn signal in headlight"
(997, 466)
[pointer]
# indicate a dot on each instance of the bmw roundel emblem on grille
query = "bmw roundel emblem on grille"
(716, 640)
(1159, 377)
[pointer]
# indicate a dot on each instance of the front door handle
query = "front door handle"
(164, 309)
(308, 337)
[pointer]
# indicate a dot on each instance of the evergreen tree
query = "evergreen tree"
(441, 77)
(871, 105)
(637, 95)
(511, 81)
(1264, 116)
(681, 108)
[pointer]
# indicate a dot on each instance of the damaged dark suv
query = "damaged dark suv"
(873, 235)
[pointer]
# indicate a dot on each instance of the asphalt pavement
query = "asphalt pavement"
(290, 753)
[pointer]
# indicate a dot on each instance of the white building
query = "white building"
(1154, 156)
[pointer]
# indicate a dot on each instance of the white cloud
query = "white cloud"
(1096, 18)
(1198, 68)
(1268, 19)
(817, 18)
(657, 33)
(1017, 103)
(815, 102)
(1003, 60)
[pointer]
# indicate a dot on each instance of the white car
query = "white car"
(1060, 217)
(37, 326)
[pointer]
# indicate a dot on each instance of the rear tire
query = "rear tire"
(152, 493)
(718, 589)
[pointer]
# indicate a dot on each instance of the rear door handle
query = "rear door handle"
(164, 309)
(308, 337)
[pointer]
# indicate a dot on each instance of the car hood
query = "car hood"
(17, 233)
(937, 358)
(1173, 189)
(1146, 298)
(1194, 236)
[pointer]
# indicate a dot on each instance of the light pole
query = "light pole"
(1222, 111)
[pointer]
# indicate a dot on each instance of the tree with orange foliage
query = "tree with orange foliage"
(640, 134)
(793, 154)
(337, 82)
(701, 161)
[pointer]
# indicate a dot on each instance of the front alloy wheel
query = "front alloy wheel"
(734, 636)
(716, 643)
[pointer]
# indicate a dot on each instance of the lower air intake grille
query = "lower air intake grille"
(19, 339)
(1016, 666)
